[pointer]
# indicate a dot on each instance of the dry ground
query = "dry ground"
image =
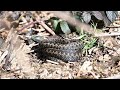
(99, 63)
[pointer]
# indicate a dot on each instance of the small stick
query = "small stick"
(113, 27)
(106, 34)
(52, 62)
(40, 22)
(28, 25)
(46, 27)
(113, 77)
(3, 55)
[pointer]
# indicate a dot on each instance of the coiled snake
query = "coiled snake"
(58, 48)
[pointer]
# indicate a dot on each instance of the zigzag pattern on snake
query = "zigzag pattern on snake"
(58, 48)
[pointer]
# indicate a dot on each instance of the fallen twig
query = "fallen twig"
(113, 77)
(52, 62)
(113, 27)
(46, 27)
(3, 56)
(41, 23)
(106, 34)
(26, 26)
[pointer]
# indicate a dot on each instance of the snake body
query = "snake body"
(58, 48)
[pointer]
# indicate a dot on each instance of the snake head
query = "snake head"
(37, 38)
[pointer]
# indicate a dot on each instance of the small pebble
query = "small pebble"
(108, 44)
(101, 58)
(118, 51)
(107, 57)
(95, 50)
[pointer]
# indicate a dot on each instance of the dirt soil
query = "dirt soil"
(100, 62)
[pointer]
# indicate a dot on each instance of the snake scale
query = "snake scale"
(58, 48)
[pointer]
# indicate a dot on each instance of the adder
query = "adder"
(59, 48)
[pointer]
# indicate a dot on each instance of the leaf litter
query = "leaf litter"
(17, 60)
